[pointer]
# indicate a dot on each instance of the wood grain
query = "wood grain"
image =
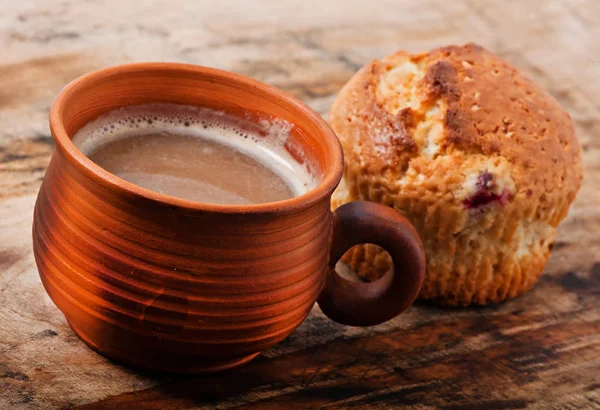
(540, 351)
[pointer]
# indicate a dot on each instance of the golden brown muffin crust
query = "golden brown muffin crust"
(491, 109)
(482, 161)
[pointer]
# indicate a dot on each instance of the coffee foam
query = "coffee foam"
(265, 141)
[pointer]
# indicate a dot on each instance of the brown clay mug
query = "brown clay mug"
(165, 283)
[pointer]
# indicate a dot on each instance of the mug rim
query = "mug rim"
(324, 188)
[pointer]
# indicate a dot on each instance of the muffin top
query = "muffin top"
(462, 124)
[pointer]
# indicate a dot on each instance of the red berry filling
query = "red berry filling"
(485, 193)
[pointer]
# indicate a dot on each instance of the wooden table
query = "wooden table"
(539, 351)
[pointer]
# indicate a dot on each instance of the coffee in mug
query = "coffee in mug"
(197, 154)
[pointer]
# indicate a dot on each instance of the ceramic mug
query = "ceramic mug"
(171, 284)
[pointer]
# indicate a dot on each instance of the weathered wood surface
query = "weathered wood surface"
(539, 351)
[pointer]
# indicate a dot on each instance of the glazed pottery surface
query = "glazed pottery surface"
(170, 284)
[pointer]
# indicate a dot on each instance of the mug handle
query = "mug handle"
(368, 304)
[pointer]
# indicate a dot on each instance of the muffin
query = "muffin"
(482, 161)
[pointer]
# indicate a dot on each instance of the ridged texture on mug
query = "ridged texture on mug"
(144, 282)
(169, 284)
